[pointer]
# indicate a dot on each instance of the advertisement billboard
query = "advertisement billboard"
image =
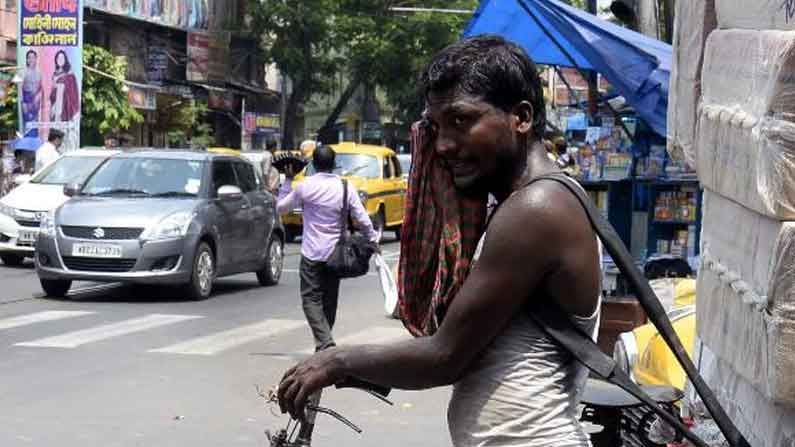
(174, 13)
(261, 123)
(50, 58)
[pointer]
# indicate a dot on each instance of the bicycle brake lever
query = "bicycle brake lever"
(379, 396)
(335, 415)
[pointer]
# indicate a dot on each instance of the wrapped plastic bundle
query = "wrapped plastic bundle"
(746, 125)
(695, 19)
(756, 14)
(763, 423)
(746, 295)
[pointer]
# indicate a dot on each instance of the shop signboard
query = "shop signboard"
(142, 98)
(50, 55)
(208, 56)
(222, 100)
(372, 130)
(156, 65)
(182, 91)
(198, 57)
(218, 65)
(261, 123)
(182, 14)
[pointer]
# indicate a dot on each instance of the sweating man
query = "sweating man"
(513, 385)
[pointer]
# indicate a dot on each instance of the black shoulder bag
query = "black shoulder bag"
(557, 324)
(351, 255)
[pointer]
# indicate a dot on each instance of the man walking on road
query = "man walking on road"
(469, 302)
(321, 197)
(48, 152)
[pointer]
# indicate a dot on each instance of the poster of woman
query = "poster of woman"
(64, 94)
(50, 46)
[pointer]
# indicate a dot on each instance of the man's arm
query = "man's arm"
(289, 198)
(522, 246)
(360, 217)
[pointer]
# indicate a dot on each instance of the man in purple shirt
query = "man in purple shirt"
(320, 196)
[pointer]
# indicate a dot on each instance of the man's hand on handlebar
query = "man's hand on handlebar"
(313, 374)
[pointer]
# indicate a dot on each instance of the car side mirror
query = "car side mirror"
(71, 189)
(21, 179)
(229, 192)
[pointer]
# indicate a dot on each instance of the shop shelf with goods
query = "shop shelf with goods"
(674, 217)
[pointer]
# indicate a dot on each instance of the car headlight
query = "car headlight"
(8, 211)
(173, 226)
(47, 225)
(363, 197)
(625, 352)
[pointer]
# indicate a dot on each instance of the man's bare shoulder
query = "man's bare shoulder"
(541, 219)
(543, 206)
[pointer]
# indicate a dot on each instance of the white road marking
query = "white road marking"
(369, 336)
(98, 333)
(221, 341)
(38, 317)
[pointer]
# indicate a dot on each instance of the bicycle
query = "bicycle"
(298, 433)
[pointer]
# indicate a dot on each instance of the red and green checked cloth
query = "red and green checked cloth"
(441, 230)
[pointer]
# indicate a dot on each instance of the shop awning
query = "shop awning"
(553, 33)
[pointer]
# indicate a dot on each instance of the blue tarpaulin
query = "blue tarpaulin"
(26, 144)
(553, 33)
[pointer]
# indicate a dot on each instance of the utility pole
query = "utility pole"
(593, 92)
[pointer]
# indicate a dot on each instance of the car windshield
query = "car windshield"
(353, 164)
(146, 177)
(66, 170)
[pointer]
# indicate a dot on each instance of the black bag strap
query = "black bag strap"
(344, 213)
(556, 323)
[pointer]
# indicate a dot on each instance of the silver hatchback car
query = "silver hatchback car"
(162, 217)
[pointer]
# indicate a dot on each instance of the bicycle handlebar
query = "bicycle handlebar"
(379, 391)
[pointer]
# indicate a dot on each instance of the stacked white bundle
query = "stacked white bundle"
(695, 19)
(756, 14)
(746, 295)
(763, 423)
(746, 126)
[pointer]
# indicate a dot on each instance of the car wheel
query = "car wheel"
(290, 234)
(379, 222)
(12, 260)
(274, 262)
(398, 229)
(201, 279)
(56, 288)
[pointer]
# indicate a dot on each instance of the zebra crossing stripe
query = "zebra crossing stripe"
(38, 317)
(99, 333)
(222, 341)
(370, 336)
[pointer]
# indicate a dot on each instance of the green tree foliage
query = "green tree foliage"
(184, 124)
(407, 43)
(388, 49)
(9, 117)
(298, 35)
(311, 41)
(105, 107)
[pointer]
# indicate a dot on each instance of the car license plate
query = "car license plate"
(96, 250)
(27, 236)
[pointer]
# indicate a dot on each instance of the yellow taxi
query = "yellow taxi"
(643, 352)
(224, 150)
(375, 173)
